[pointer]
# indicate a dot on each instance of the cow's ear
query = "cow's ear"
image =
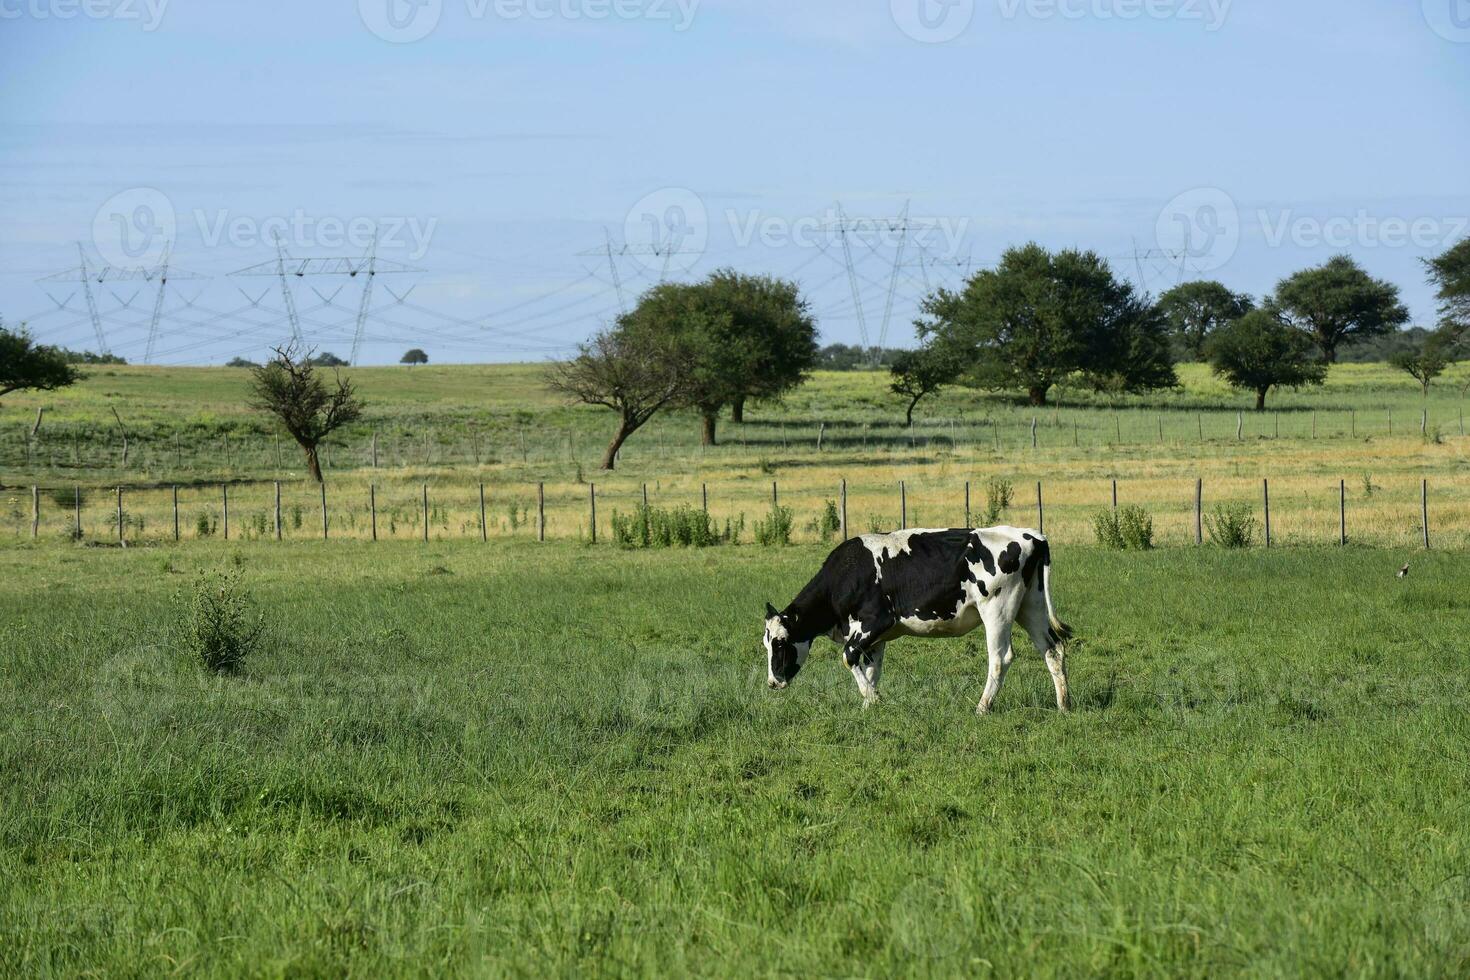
(771, 612)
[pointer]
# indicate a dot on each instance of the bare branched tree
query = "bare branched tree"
(632, 371)
(290, 388)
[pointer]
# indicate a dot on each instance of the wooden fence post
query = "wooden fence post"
(375, 449)
(1424, 423)
(1342, 512)
(426, 513)
(1115, 496)
(704, 497)
(1353, 416)
(485, 528)
(903, 505)
(176, 511)
(967, 503)
(1040, 510)
(1161, 429)
(324, 510)
(842, 511)
(821, 431)
(541, 512)
(775, 499)
(373, 507)
(1424, 510)
(1239, 425)
(1033, 432)
(77, 504)
(1314, 423)
(1266, 502)
(224, 490)
(1199, 511)
(278, 510)
(35, 512)
(592, 509)
(120, 537)
(645, 495)
(1200, 421)
(1390, 423)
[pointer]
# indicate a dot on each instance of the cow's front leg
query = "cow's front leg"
(863, 652)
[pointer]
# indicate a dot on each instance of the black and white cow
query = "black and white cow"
(879, 587)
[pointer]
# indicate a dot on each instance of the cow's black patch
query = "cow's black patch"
(977, 552)
(1035, 560)
(1010, 558)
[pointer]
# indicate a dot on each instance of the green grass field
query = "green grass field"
(559, 760)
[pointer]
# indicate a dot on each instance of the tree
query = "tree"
(1261, 351)
(26, 365)
(635, 368)
(1040, 318)
(1451, 273)
(1194, 310)
(414, 356)
(917, 373)
(291, 389)
(1429, 358)
(325, 359)
(1338, 301)
(759, 341)
(240, 362)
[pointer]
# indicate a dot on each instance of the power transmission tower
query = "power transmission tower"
(903, 237)
(284, 267)
(87, 274)
(857, 300)
(612, 252)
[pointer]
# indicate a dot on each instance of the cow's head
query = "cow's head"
(784, 655)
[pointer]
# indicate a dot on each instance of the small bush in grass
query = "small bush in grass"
(830, 523)
(1232, 525)
(651, 527)
(999, 493)
(775, 528)
(203, 526)
(66, 497)
(218, 624)
(1130, 529)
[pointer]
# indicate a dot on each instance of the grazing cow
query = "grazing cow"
(878, 587)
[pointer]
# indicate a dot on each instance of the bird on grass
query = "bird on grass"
(1404, 572)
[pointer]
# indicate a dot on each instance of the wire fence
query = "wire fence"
(1287, 510)
(184, 452)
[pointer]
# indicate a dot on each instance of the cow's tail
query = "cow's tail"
(1060, 631)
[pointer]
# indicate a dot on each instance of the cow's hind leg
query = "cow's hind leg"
(1035, 618)
(998, 645)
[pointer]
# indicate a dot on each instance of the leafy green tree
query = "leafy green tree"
(290, 388)
(1451, 273)
(922, 372)
(637, 367)
(1194, 310)
(1337, 302)
(1039, 318)
(1429, 358)
(26, 365)
(326, 359)
(1261, 351)
(414, 355)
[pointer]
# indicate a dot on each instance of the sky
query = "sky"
(528, 167)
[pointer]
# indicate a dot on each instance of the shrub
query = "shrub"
(66, 497)
(203, 526)
(218, 626)
(1232, 525)
(999, 493)
(651, 527)
(775, 528)
(1130, 529)
(830, 523)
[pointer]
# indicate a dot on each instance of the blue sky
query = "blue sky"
(514, 137)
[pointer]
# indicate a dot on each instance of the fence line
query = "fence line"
(640, 497)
